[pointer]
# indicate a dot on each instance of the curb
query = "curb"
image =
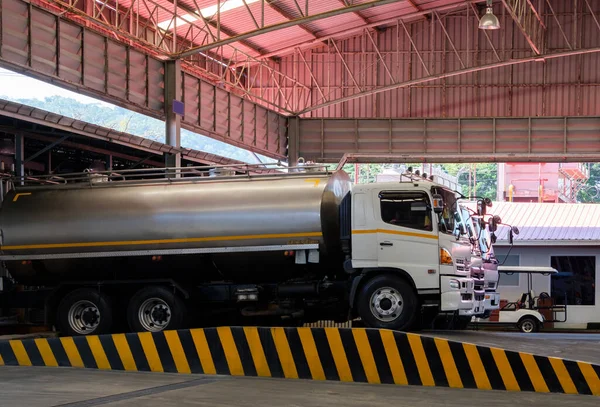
(340, 354)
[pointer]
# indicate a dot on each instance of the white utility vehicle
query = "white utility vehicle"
(526, 314)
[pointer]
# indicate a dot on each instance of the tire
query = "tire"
(528, 325)
(84, 311)
(155, 309)
(387, 301)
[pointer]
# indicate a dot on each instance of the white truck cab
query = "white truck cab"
(484, 266)
(407, 227)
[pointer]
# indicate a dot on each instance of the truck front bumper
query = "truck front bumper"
(457, 293)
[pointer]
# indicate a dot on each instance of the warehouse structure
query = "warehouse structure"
(314, 79)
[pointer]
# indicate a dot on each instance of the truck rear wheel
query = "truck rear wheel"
(387, 301)
(84, 311)
(155, 309)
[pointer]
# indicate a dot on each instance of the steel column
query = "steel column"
(172, 120)
(293, 141)
(20, 156)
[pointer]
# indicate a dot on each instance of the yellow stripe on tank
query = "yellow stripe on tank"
(394, 232)
(161, 241)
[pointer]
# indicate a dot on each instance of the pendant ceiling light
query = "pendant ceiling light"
(489, 21)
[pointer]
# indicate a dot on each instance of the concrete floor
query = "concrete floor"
(583, 347)
(42, 386)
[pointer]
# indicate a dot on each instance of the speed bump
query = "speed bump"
(340, 354)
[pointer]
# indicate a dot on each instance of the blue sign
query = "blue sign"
(178, 107)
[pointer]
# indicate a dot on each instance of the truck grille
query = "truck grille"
(462, 265)
(467, 297)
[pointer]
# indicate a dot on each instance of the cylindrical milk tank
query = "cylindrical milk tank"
(212, 212)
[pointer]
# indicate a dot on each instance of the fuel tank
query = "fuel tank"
(111, 217)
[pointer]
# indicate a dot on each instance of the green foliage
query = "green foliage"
(590, 193)
(486, 176)
(124, 120)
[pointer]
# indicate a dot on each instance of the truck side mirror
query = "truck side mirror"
(515, 230)
(487, 202)
(493, 238)
(510, 237)
(438, 203)
(494, 222)
(481, 208)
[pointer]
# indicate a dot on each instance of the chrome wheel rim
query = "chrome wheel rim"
(154, 314)
(84, 317)
(386, 304)
(527, 327)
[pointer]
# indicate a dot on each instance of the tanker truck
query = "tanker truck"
(151, 250)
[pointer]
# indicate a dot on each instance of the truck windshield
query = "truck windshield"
(447, 219)
(471, 226)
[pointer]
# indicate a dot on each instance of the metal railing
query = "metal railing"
(160, 175)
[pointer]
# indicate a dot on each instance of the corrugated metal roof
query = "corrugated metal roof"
(64, 123)
(549, 223)
(237, 19)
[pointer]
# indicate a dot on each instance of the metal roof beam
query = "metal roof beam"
(529, 21)
(347, 32)
(286, 24)
(430, 78)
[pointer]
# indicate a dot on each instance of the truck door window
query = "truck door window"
(406, 209)
(446, 220)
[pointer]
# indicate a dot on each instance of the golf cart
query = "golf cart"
(527, 314)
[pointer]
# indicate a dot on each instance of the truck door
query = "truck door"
(407, 236)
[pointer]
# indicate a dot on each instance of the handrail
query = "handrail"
(165, 174)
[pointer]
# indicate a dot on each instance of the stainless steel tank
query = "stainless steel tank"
(211, 212)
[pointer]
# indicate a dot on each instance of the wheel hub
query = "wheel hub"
(386, 304)
(154, 314)
(84, 317)
(527, 326)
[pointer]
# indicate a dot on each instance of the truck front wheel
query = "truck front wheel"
(84, 311)
(387, 301)
(155, 309)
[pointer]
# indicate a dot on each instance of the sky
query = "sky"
(15, 86)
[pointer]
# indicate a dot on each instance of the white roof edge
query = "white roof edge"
(527, 270)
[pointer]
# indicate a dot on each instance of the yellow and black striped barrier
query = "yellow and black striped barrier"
(343, 354)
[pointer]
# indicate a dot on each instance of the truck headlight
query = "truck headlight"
(455, 284)
(445, 257)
